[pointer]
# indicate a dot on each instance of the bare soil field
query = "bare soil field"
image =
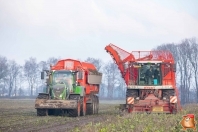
(19, 115)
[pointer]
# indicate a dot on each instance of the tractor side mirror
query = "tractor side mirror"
(174, 67)
(42, 75)
(80, 75)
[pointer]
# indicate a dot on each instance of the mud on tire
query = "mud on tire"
(91, 106)
(75, 112)
(42, 112)
(82, 107)
(96, 104)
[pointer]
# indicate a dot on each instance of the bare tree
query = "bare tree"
(3, 68)
(21, 79)
(3, 74)
(193, 58)
(186, 56)
(52, 61)
(97, 62)
(43, 65)
(186, 69)
(31, 73)
(111, 73)
(12, 76)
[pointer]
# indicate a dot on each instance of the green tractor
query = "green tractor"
(69, 92)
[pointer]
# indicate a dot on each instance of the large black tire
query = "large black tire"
(75, 112)
(42, 96)
(82, 107)
(167, 93)
(175, 109)
(42, 112)
(131, 93)
(51, 112)
(96, 104)
(91, 107)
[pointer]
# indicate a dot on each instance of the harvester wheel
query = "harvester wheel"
(83, 106)
(167, 93)
(75, 112)
(131, 93)
(175, 109)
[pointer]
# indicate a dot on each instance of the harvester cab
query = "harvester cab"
(149, 74)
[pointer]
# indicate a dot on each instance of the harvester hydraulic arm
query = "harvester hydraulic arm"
(120, 57)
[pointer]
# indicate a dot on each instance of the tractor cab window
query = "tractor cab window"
(149, 74)
(63, 78)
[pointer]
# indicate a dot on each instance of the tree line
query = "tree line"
(185, 55)
(24, 80)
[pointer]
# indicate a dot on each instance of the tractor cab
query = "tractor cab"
(61, 83)
(64, 77)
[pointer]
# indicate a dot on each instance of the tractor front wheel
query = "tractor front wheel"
(75, 112)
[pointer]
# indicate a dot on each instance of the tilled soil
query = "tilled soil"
(20, 116)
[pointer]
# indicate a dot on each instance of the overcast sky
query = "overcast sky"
(82, 28)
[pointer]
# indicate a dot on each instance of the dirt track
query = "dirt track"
(20, 115)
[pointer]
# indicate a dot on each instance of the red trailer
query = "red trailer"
(150, 80)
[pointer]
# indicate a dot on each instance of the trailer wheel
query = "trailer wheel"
(83, 106)
(75, 112)
(91, 107)
(96, 104)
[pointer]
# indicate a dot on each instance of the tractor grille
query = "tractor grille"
(58, 90)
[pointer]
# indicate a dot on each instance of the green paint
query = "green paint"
(78, 90)
(67, 87)
(63, 94)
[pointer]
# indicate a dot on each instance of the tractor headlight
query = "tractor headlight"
(164, 98)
